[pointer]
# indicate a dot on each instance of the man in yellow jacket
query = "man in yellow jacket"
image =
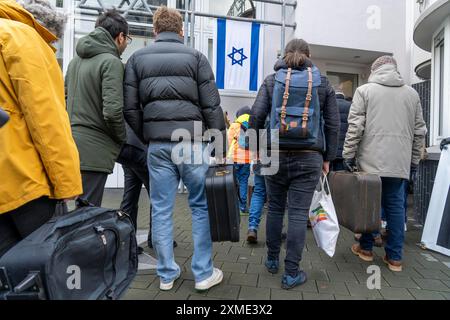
(39, 162)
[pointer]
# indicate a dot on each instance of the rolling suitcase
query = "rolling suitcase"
(88, 254)
(357, 200)
(223, 203)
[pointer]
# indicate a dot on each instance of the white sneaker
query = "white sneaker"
(167, 286)
(212, 281)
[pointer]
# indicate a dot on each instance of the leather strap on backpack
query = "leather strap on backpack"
(305, 116)
(283, 127)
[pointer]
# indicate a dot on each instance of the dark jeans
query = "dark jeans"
(393, 203)
(134, 179)
(93, 186)
(242, 172)
(18, 224)
(297, 179)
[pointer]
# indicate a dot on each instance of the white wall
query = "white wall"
(373, 25)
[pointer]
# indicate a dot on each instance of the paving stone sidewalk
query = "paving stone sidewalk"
(426, 274)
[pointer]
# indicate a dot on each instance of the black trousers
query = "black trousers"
(17, 224)
(135, 177)
(93, 186)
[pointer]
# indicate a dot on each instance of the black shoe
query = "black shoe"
(252, 236)
(140, 250)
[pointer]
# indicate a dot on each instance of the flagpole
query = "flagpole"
(192, 23)
(283, 27)
(186, 21)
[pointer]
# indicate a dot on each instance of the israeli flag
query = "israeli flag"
(237, 53)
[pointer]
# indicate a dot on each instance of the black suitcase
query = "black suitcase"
(88, 254)
(223, 203)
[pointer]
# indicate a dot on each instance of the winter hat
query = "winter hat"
(242, 111)
(381, 61)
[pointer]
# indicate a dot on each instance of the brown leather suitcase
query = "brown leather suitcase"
(357, 200)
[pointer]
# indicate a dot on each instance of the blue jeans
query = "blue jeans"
(257, 203)
(164, 179)
(296, 179)
(242, 174)
(393, 203)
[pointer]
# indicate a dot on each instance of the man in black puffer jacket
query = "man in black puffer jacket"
(169, 87)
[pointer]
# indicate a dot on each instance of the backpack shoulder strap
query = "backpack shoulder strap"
(283, 126)
(305, 117)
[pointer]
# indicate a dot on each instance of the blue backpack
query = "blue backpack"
(296, 107)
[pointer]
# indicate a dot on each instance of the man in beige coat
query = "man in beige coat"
(385, 137)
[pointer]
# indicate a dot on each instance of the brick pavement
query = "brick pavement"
(426, 274)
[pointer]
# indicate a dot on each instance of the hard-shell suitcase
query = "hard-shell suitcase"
(87, 254)
(357, 200)
(223, 203)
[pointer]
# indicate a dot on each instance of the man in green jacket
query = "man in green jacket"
(94, 89)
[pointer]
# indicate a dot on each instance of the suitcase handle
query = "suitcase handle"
(30, 288)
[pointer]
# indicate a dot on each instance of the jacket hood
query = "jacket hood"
(281, 64)
(387, 75)
(11, 10)
(97, 42)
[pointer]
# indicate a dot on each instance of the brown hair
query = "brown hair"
(296, 53)
(167, 20)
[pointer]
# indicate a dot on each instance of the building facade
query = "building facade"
(345, 39)
(432, 40)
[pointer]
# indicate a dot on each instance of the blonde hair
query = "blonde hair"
(167, 20)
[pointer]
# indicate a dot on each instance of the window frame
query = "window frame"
(440, 96)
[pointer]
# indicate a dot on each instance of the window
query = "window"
(439, 78)
(346, 82)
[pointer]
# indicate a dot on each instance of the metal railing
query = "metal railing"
(144, 9)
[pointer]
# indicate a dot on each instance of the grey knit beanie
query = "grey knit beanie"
(46, 15)
(381, 61)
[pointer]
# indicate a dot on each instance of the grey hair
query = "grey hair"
(46, 15)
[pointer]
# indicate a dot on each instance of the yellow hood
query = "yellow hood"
(11, 10)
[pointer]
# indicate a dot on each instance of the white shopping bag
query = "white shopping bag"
(324, 220)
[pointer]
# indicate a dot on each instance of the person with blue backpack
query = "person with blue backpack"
(239, 153)
(303, 113)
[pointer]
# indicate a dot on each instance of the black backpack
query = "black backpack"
(87, 254)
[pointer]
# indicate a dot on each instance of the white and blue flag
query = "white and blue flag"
(237, 55)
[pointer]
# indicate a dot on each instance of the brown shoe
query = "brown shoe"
(252, 236)
(378, 241)
(362, 254)
(395, 266)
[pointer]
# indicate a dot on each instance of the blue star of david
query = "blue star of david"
(240, 61)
